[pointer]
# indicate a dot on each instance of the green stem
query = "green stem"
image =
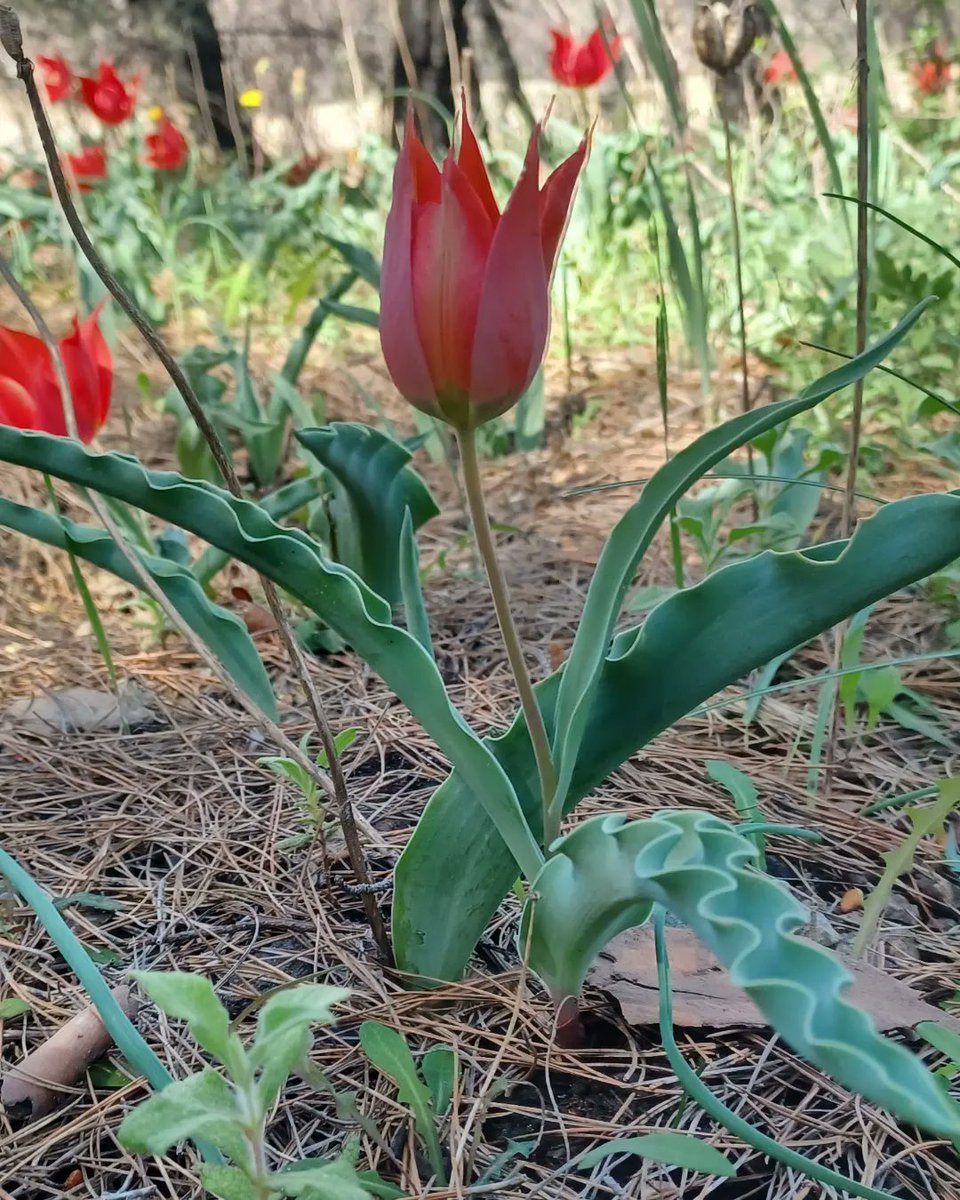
(473, 487)
(694, 1086)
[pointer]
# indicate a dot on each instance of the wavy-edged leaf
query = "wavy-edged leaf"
(223, 632)
(294, 561)
(633, 533)
(682, 654)
(411, 590)
(606, 874)
(373, 487)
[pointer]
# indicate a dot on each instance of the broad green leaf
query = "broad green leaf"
(201, 1105)
(529, 416)
(671, 1149)
(278, 504)
(439, 1068)
(191, 998)
(389, 1052)
(607, 874)
(294, 561)
(221, 631)
(373, 488)
(454, 872)
(942, 1039)
(634, 532)
(227, 1183)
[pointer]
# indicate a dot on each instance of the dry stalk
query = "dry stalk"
(12, 41)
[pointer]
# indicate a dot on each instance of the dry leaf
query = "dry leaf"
(704, 997)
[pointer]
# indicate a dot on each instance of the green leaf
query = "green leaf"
(439, 1068)
(741, 787)
(294, 561)
(294, 1008)
(12, 1007)
(227, 1183)
(389, 1052)
(278, 504)
(191, 998)
(634, 532)
(299, 351)
(373, 487)
(201, 1105)
(358, 259)
(223, 632)
(942, 1039)
(605, 876)
(454, 872)
(529, 416)
(411, 591)
(106, 1076)
(312, 1180)
(671, 1149)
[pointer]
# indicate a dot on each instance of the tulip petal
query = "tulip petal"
(399, 336)
(95, 350)
(451, 241)
(16, 405)
(513, 319)
(24, 358)
(471, 163)
(556, 202)
(562, 58)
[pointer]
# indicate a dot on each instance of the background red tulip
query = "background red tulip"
(29, 392)
(780, 69)
(582, 64)
(57, 78)
(90, 163)
(108, 97)
(167, 148)
(465, 291)
(932, 76)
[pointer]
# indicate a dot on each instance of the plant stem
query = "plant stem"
(473, 487)
(745, 400)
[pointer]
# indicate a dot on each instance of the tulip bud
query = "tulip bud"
(723, 40)
(465, 289)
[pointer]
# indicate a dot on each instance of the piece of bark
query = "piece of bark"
(36, 1085)
(704, 997)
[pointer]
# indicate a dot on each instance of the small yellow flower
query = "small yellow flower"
(261, 66)
(251, 98)
(298, 83)
(155, 113)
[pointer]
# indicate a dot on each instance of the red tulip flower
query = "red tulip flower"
(167, 148)
(108, 97)
(30, 395)
(780, 69)
(90, 163)
(465, 289)
(932, 76)
(582, 64)
(57, 78)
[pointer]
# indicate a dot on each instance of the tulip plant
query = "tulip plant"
(464, 327)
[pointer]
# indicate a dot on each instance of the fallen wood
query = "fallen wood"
(35, 1086)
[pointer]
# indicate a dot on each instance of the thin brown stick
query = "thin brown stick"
(745, 401)
(12, 41)
(848, 513)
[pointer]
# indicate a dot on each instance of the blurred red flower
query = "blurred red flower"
(57, 78)
(780, 69)
(108, 97)
(90, 163)
(932, 76)
(30, 395)
(303, 168)
(582, 64)
(167, 148)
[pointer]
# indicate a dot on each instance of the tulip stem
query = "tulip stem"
(473, 487)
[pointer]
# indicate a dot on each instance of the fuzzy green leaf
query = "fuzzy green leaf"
(227, 1183)
(191, 998)
(200, 1106)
